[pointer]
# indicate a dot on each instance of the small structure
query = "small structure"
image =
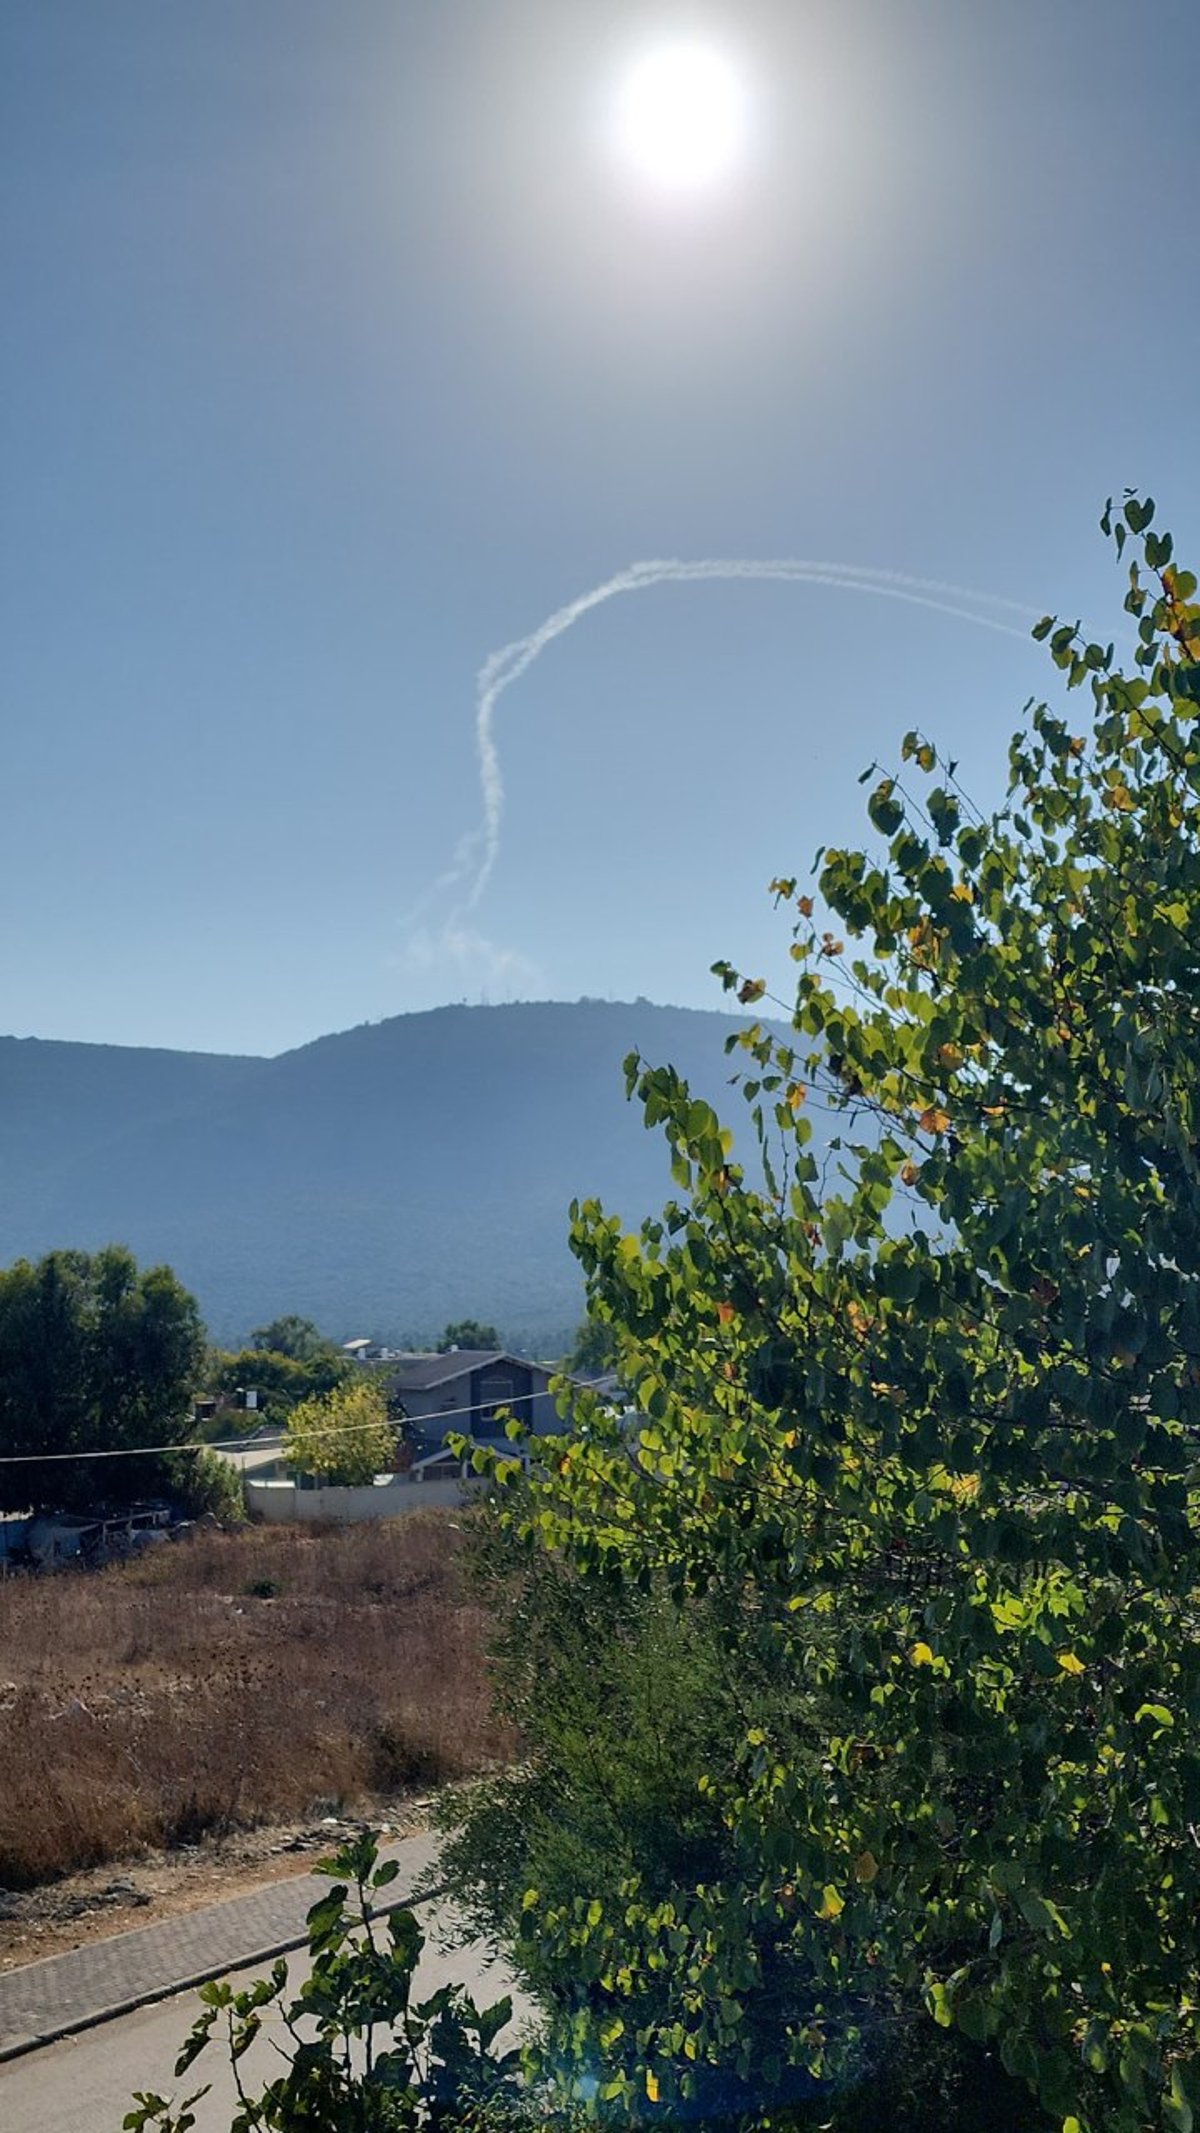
(14, 1539)
(56, 1538)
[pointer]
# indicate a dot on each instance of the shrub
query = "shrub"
(206, 1486)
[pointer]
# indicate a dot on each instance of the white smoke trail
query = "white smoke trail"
(478, 852)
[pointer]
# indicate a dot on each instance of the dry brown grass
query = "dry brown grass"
(152, 1703)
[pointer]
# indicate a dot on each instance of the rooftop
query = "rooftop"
(420, 1372)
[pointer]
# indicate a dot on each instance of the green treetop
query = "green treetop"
(343, 1438)
(96, 1355)
(468, 1333)
(295, 1337)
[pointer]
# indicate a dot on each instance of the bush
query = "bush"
(206, 1486)
(633, 1711)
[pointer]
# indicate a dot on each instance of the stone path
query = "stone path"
(65, 1993)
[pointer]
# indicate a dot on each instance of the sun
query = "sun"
(681, 117)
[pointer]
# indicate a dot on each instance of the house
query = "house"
(465, 1389)
(462, 1389)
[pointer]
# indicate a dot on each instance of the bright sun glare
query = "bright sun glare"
(682, 117)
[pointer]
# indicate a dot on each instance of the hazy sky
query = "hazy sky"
(341, 348)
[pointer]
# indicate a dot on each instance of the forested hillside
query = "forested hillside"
(381, 1181)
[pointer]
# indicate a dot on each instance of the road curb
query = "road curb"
(20, 2047)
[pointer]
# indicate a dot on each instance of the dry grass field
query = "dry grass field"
(233, 1679)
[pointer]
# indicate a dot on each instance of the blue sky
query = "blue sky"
(340, 350)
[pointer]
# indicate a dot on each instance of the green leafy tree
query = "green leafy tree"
(206, 1486)
(344, 1437)
(376, 2060)
(594, 1350)
(95, 1355)
(927, 1419)
(294, 1337)
(280, 1380)
(468, 1333)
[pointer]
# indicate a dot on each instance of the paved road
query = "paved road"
(84, 2083)
(44, 1999)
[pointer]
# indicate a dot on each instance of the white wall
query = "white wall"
(282, 1503)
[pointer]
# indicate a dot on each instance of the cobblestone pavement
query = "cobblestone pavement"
(65, 1993)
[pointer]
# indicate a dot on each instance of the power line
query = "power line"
(234, 1446)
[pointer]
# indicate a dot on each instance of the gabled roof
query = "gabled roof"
(423, 1373)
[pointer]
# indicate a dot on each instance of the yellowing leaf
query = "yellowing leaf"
(832, 1905)
(1070, 1663)
(804, 905)
(866, 1866)
(652, 2088)
(933, 1120)
(922, 1654)
(909, 1173)
(726, 1313)
(796, 1095)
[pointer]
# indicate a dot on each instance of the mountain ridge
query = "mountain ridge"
(382, 1179)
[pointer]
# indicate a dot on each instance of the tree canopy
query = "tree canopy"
(95, 1355)
(295, 1337)
(921, 1425)
(343, 1437)
(281, 1380)
(468, 1333)
(594, 1349)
